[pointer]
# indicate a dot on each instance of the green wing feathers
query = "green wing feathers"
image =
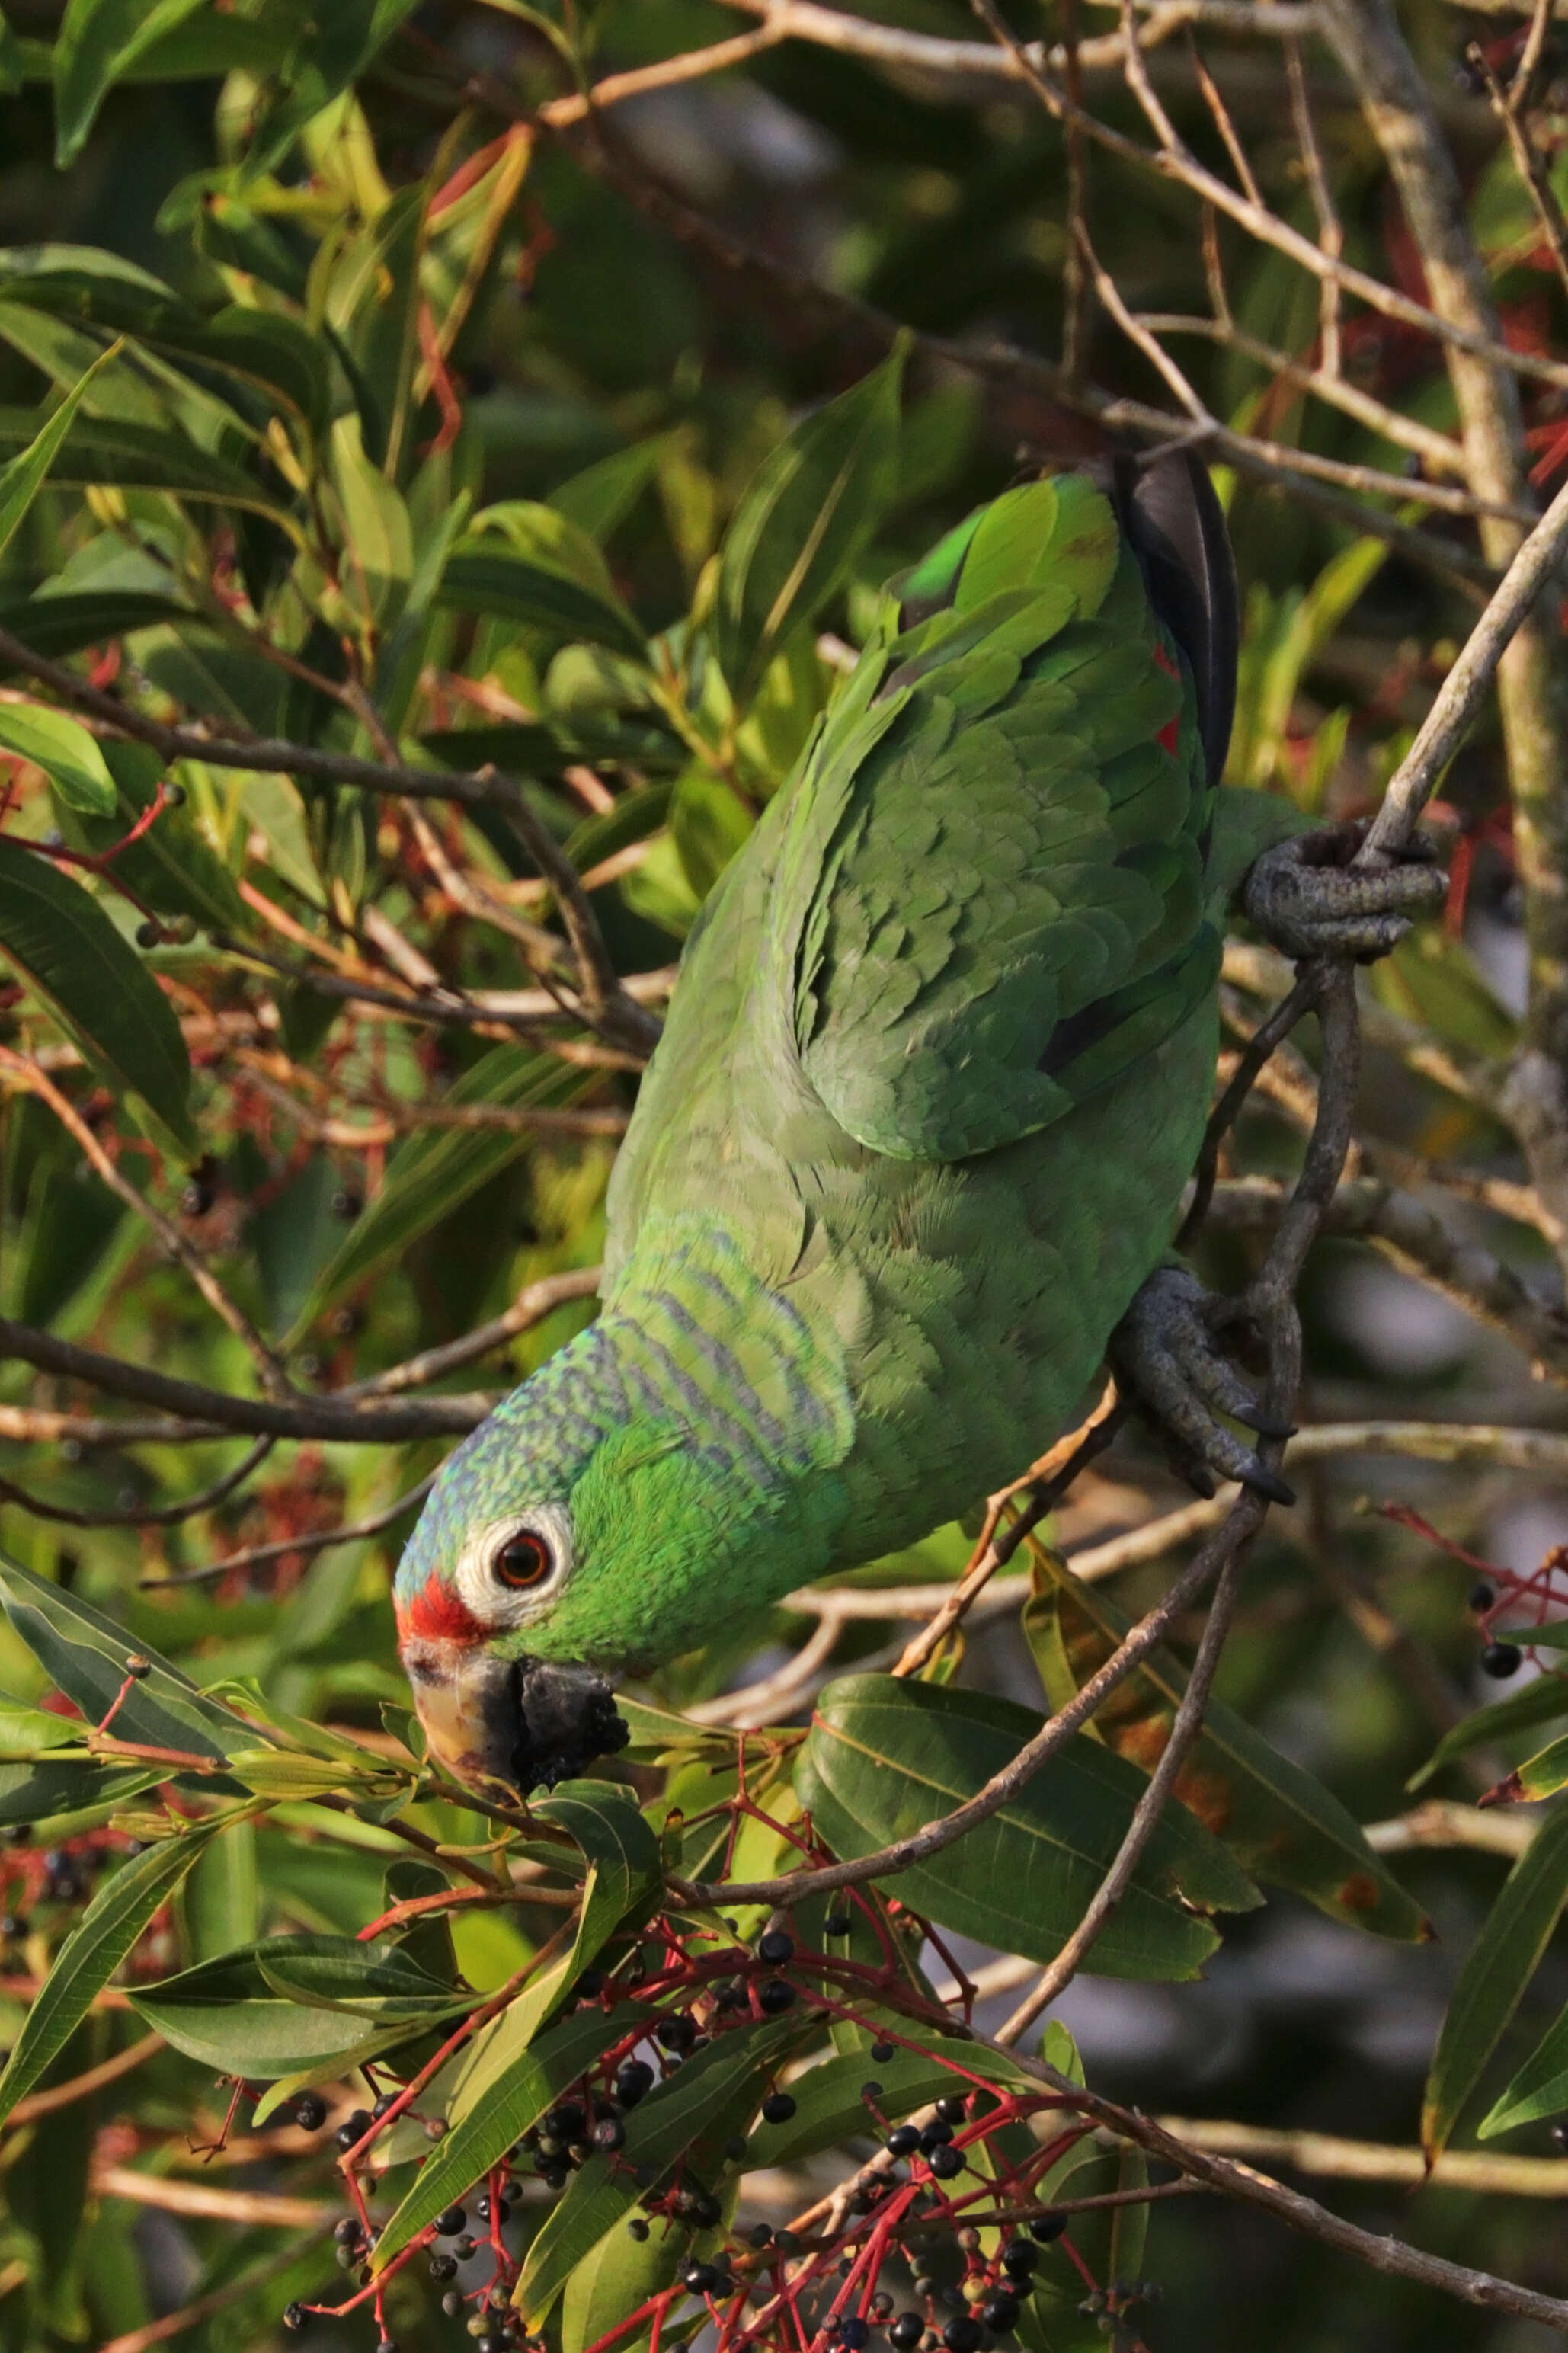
(996, 859)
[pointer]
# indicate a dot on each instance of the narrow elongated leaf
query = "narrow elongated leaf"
(1500, 1965)
(1539, 2089)
(227, 2014)
(804, 520)
(376, 1982)
(24, 476)
(506, 2086)
(63, 625)
(485, 578)
(431, 1175)
(624, 1871)
(65, 948)
(115, 454)
(1539, 1703)
(621, 2275)
(884, 1758)
(174, 866)
(118, 1912)
(98, 40)
(1279, 1823)
(62, 747)
(723, 2081)
(83, 1654)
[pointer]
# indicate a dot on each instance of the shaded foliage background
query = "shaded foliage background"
(445, 483)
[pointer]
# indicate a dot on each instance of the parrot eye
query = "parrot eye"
(524, 1561)
(511, 1570)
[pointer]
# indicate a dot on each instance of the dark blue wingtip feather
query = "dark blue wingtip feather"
(1167, 506)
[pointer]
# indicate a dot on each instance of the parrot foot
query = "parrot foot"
(1306, 900)
(1167, 1357)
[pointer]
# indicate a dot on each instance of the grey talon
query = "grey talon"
(1268, 1482)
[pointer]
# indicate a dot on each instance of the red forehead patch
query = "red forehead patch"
(438, 1613)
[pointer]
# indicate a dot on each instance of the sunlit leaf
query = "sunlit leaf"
(885, 1758)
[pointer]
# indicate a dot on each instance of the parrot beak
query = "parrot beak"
(512, 1724)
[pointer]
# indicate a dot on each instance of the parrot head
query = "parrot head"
(586, 1530)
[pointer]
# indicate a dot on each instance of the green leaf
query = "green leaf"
(709, 823)
(62, 747)
(886, 1756)
(541, 592)
(174, 866)
(114, 454)
(222, 1900)
(1539, 2089)
(83, 1654)
(429, 1175)
(1277, 1820)
(70, 953)
(725, 2079)
(330, 50)
(24, 476)
(98, 40)
(506, 2085)
(1498, 1969)
(620, 2277)
(229, 2015)
(80, 1785)
(804, 521)
(623, 1870)
(378, 1982)
(603, 495)
(118, 1912)
(828, 2106)
(62, 625)
(1541, 1776)
(1539, 1703)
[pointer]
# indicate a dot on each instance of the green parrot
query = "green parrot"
(934, 1078)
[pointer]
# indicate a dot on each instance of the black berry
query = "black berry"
(353, 2129)
(637, 2228)
(936, 2135)
(1020, 2256)
(1501, 1660)
(903, 2140)
(566, 2121)
(493, 2342)
(776, 1948)
(759, 2236)
(907, 2331)
(945, 2162)
(609, 2134)
(451, 2222)
(149, 934)
(676, 2034)
(498, 2206)
(443, 2268)
(700, 2278)
(348, 2230)
(1481, 1598)
(853, 2334)
(777, 2108)
(777, 1995)
(309, 2111)
(294, 2315)
(1048, 2225)
(999, 2312)
(634, 2081)
(881, 2052)
(837, 1924)
(950, 2111)
(962, 2334)
(463, 2248)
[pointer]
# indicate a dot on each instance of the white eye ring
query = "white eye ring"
(492, 1596)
